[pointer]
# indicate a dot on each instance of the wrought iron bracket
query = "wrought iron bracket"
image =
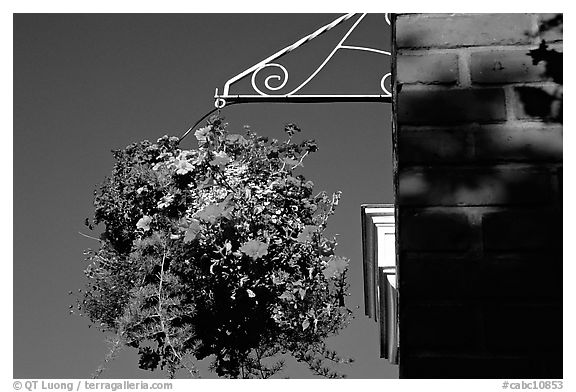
(267, 93)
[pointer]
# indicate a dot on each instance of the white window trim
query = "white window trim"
(380, 278)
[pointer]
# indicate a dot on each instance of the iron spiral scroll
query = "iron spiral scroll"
(268, 91)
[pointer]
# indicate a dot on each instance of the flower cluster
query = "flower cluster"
(217, 251)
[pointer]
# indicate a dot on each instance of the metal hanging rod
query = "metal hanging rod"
(270, 95)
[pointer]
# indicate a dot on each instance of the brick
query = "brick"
(432, 146)
(481, 367)
(415, 31)
(560, 178)
(552, 34)
(529, 229)
(481, 283)
(522, 276)
(428, 68)
(493, 143)
(436, 231)
(440, 277)
(446, 327)
(462, 186)
(538, 103)
(518, 144)
(431, 106)
(505, 66)
(510, 276)
(524, 328)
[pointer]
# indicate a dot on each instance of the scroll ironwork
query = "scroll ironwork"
(280, 78)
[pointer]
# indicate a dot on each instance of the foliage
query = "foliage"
(217, 252)
(552, 61)
(551, 58)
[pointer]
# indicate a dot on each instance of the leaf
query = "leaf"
(278, 279)
(236, 138)
(327, 248)
(288, 296)
(192, 232)
(335, 267)
(149, 358)
(183, 224)
(243, 280)
(308, 184)
(307, 233)
(272, 153)
(310, 145)
(291, 129)
(144, 223)
(254, 248)
(292, 162)
(539, 54)
(218, 246)
(206, 183)
(212, 212)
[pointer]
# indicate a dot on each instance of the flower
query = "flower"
(165, 201)
(183, 166)
(220, 159)
(201, 134)
(144, 223)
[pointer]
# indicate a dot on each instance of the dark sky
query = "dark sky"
(86, 84)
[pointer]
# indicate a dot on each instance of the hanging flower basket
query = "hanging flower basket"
(217, 252)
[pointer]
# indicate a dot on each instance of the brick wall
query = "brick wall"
(478, 152)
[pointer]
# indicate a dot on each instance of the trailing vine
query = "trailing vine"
(217, 252)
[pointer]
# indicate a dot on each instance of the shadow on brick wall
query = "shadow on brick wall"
(491, 144)
(480, 230)
(546, 103)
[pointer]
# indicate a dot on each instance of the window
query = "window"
(380, 281)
